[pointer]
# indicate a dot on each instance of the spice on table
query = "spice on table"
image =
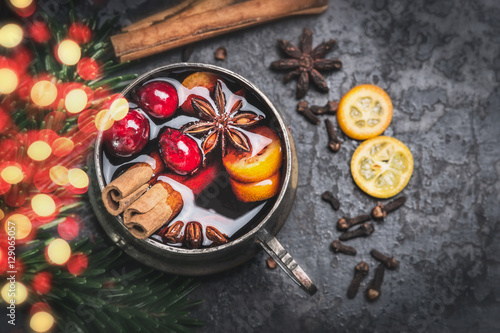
(303, 109)
(338, 247)
(333, 141)
(365, 230)
(220, 53)
(345, 223)
(389, 262)
(306, 63)
(374, 290)
(330, 198)
(330, 108)
(380, 211)
(360, 271)
(271, 263)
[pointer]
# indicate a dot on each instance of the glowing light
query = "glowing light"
(41, 321)
(8, 81)
(22, 225)
(75, 101)
(39, 151)
(88, 69)
(62, 147)
(21, 3)
(69, 52)
(78, 178)
(103, 121)
(2, 214)
(119, 109)
(59, 175)
(43, 93)
(77, 264)
(12, 174)
(68, 229)
(58, 251)
(16, 291)
(43, 205)
(11, 35)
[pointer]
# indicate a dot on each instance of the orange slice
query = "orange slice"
(258, 191)
(364, 112)
(382, 166)
(264, 160)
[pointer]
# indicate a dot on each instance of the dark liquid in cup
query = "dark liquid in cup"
(214, 203)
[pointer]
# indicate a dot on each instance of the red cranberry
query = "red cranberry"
(127, 136)
(179, 152)
(159, 99)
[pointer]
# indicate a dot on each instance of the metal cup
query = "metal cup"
(197, 262)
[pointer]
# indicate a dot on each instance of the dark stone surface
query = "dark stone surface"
(439, 61)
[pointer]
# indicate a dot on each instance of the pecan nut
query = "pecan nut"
(193, 235)
(217, 237)
(173, 233)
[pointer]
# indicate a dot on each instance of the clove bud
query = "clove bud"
(330, 108)
(389, 262)
(330, 198)
(374, 289)
(365, 230)
(380, 211)
(345, 223)
(360, 271)
(338, 247)
(220, 53)
(303, 108)
(333, 141)
(194, 236)
(271, 263)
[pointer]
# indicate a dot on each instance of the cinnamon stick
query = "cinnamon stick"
(152, 210)
(125, 189)
(182, 29)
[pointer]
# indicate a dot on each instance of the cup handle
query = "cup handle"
(271, 245)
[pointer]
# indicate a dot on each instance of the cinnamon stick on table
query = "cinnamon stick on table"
(201, 19)
(125, 189)
(152, 210)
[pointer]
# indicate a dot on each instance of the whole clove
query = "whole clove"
(380, 211)
(331, 108)
(338, 247)
(220, 53)
(303, 108)
(389, 262)
(345, 223)
(271, 263)
(360, 271)
(333, 141)
(331, 199)
(374, 290)
(365, 230)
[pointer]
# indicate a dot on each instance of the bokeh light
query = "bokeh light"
(59, 175)
(39, 150)
(21, 3)
(12, 174)
(8, 81)
(11, 35)
(103, 121)
(2, 214)
(77, 264)
(43, 205)
(22, 225)
(43, 93)
(75, 101)
(41, 321)
(78, 178)
(58, 251)
(20, 292)
(88, 69)
(119, 109)
(62, 147)
(69, 52)
(69, 228)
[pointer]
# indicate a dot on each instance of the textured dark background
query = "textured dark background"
(439, 61)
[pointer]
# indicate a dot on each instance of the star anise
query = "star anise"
(222, 123)
(306, 62)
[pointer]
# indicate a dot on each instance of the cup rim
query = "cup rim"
(285, 139)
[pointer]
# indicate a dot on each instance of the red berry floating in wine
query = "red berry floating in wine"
(179, 152)
(159, 99)
(127, 136)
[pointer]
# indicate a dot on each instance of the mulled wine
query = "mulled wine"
(202, 147)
